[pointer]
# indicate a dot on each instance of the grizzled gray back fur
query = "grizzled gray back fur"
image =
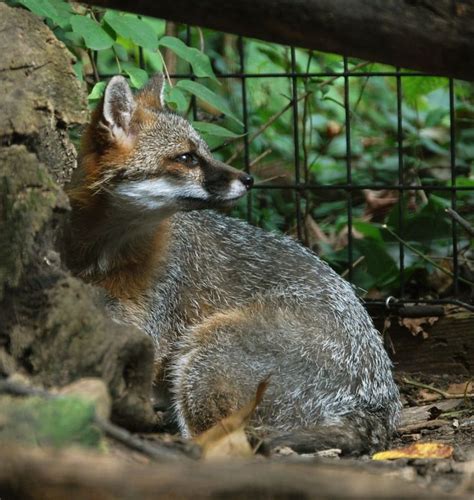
(228, 304)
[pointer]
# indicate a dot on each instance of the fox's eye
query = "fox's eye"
(188, 159)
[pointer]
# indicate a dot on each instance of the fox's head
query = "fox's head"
(146, 158)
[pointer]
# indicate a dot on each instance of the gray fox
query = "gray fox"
(226, 304)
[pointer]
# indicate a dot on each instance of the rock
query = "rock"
(93, 390)
(55, 422)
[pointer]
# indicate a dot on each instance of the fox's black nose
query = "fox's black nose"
(247, 181)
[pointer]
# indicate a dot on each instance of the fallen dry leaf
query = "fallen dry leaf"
(416, 450)
(426, 395)
(227, 438)
(378, 203)
(315, 234)
(333, 128)
(439, 280)
(415, 324)
(463, 387)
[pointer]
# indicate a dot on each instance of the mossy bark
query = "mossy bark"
(53, 327)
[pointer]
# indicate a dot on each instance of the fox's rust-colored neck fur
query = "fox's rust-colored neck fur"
(98, 247)
(132, 270)
(124, 266)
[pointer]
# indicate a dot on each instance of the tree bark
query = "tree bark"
(431, 36)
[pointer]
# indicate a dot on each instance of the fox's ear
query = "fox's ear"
(152, 94)
(119, 105)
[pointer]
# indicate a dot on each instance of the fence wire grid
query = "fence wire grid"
(302, 185)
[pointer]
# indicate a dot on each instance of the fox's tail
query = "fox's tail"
(352, 435)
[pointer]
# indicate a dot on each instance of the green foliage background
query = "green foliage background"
(107, 42)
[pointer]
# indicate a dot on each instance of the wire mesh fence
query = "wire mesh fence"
(304, 185)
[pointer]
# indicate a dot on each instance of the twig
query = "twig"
(135, 443)
(461, 221)
(444, 394)
(117, 60)
(91, 55)
(260, 157)
(202, 44)
(17, 389)
(277, 115)
(268, 179)
(424, 257)
(456, 413)
(170, 59)
(170, 83)
(354, 264)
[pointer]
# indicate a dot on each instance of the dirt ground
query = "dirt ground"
(438, 410)
(427, 417)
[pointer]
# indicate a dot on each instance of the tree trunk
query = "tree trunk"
(52, 326)
(431, 36)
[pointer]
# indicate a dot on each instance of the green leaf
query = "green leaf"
(71, 39)
(43, 8)
(416, 86)
(131, 27)
(157, 25)
(208, 96)
(176, 97)
(120, 52)
(95, 37)
(198, 60)
(368, 230)
(153, 61)
(377, 262)
(213, 129)
(425, 226)
(64, 11)
(58, 11)
(97, 91)
(138, 77)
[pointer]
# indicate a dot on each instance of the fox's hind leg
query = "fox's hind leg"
(320, 393)
(204, 390)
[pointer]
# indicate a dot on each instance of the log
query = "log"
(431, 36)
(449, 347)
(41, 474)
(419, 414)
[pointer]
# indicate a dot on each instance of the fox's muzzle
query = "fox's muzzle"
(220, 178)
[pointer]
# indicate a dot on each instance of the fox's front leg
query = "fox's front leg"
(161, 398)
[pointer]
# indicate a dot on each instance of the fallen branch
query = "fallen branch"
(444, 394)
(37, 474)
(431, 36)
(152, 451)
(427, 424)
(461, 221)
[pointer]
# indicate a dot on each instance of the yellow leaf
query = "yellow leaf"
(227, 438)
(416, 450)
